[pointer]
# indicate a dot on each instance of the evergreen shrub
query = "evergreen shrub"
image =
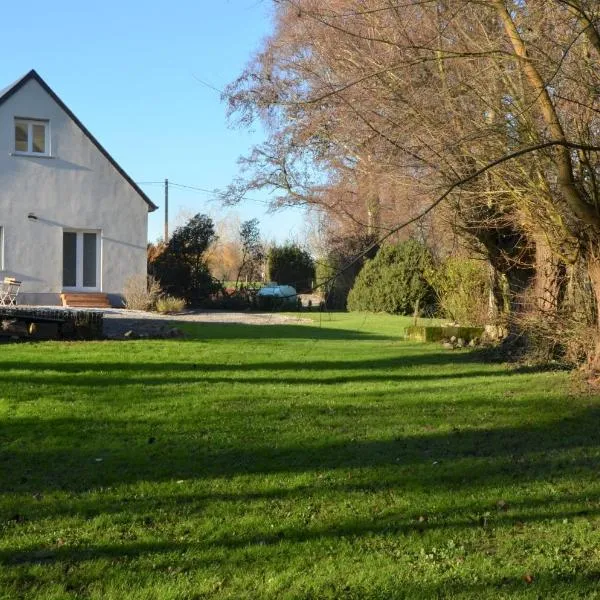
(291, 265)
(394, 281)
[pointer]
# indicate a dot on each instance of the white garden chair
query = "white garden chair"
(9, 290)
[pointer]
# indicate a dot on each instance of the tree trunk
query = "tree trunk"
(548, 280)
(373, 216)
(562, 155)
(519, 280)
(593, 269)
(594, 274)
(373, 201)
(496, 303)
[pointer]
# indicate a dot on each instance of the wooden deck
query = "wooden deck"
(63, 323)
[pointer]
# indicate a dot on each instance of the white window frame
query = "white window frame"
(30, 123)
(79, 287)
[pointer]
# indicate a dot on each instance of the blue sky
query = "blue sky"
(128, 70)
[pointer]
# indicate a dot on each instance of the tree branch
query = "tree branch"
(507, 157)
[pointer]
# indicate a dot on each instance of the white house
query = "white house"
(71, 219)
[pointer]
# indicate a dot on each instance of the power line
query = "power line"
(215, 193)
(196, 188)
(208, 85)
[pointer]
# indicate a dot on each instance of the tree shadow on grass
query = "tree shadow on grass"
(391, 525)
(405, 366)
(192, 556)
(512, 512)
(85, 380)
(80, 454)
(403, 359)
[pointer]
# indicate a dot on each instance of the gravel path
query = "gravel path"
(119, 321)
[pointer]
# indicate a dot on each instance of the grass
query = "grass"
(326, 460)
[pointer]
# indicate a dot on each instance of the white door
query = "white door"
(81, 260)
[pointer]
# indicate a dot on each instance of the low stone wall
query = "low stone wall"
(50, 323)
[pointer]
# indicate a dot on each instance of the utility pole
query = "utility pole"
(166, 211)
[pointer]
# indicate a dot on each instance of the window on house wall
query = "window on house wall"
(31, 137)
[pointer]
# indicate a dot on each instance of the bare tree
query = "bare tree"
(252, 252)
(374, 109)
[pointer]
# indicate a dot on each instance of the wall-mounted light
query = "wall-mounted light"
(32, 217)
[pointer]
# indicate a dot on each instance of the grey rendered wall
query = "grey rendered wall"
(77, 188)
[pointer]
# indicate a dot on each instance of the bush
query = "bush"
(270, 303)
(394, 281)
(462, 289)
(565, 334)
(291, 265)
(170, 304)
(141, 292)
(242, 299)
(181, 266)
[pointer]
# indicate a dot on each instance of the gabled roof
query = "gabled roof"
(7, 92)
(8, 87)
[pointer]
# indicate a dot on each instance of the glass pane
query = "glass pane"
(39, 138)
(89, 260)
(21, 137)
(69, 259)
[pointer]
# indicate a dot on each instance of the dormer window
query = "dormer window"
(31, 137)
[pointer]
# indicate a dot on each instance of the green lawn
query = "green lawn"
(330, 460)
